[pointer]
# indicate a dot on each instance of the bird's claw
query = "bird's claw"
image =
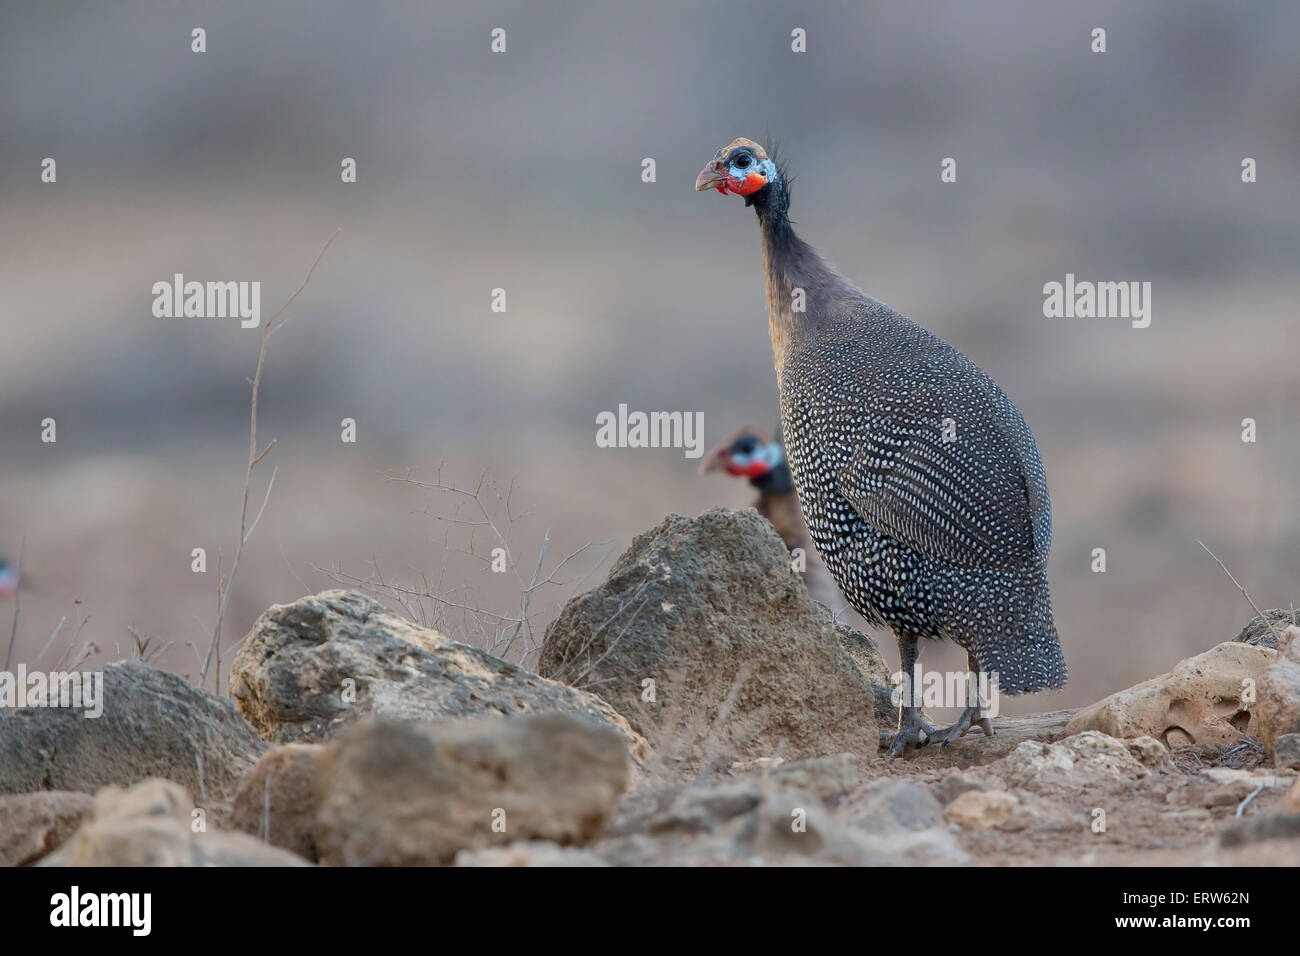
(970, 718)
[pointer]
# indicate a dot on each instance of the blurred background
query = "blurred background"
(523, 171)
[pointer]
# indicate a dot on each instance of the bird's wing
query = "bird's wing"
(953, 472)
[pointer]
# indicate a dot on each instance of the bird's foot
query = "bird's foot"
(912, 732)
(970, 718)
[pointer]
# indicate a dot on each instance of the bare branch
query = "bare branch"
(1244, 592)
(254, 457)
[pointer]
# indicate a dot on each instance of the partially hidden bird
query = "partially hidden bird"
(8, 580)
(920, 482)
(750, 453)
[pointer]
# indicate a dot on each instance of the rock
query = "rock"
(760, 819)
(953, 785)
(760, 764)
(1149, 751)
(746, 821)
(830, 778)
(277, 800)
(529, 853)
(865, 653)
(981, 809)
(1198, 703)
(1088, 759)
(1230, 786)
(1286, 751)
(890, 806)
(702, 807)
(933, 847)
(1249, 779)
(34, 824)
(743, 664)
(1262, 632)
(150, 825)
(397, 793)
(1279, 697)
(290, 675)
(154, 724)
(1008, 812)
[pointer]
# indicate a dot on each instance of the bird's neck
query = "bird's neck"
(775, 482)
(800, 285)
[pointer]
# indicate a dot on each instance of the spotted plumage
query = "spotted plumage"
(920, 482)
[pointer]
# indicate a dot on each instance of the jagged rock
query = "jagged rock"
(293, 676)
(1088, 759)
(529, 853)
(709, 610)
(34, 824)
(154, 724)
(277, 800)
(150, 824)
(889, 806)
(1262, 631)
(1197, 703)
(981, 809)
(397, 793)
(1279, 698)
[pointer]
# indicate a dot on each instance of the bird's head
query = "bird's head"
(741, 167)
(8, 580)
(747, 454)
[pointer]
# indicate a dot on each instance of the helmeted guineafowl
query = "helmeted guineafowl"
(920, 481)
(750, 453)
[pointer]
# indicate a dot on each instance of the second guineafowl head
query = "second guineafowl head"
(749, 453)
(8, 580)
(920, 482)
(753, 455)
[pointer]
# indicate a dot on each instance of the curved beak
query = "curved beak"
(713, 176)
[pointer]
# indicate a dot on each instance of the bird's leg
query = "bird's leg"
(972, 716)
(910, 725)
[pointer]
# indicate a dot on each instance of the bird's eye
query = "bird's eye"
(742, 161)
